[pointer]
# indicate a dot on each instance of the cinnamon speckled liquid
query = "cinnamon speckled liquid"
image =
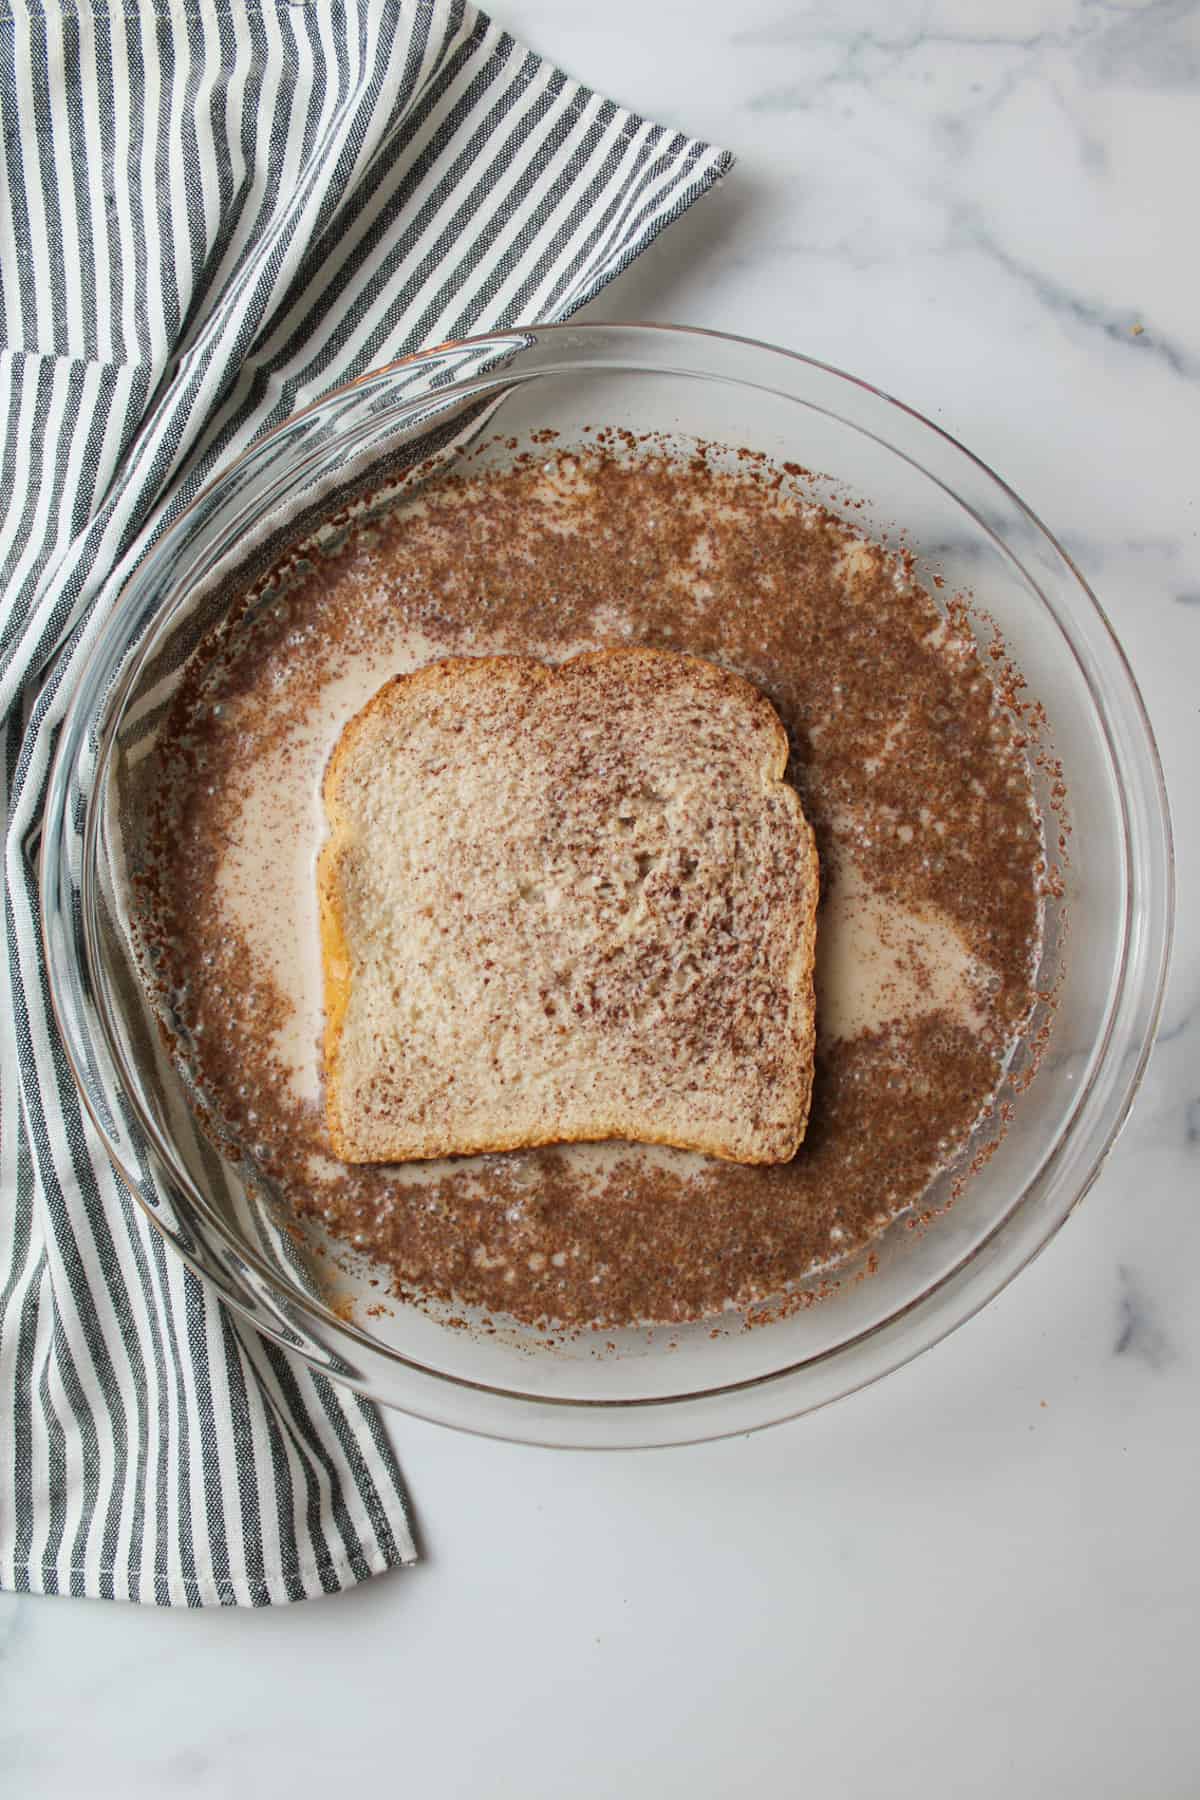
(907, 759)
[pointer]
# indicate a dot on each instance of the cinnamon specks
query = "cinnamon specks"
(909, 749)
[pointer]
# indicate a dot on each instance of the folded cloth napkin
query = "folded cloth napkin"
(212, 213)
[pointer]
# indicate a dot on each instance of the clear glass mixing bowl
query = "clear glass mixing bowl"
(960, 520)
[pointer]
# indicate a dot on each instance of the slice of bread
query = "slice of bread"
(566, 903)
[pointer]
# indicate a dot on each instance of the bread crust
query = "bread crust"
(336, 957)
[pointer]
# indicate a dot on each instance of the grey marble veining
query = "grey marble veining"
(1120, 324)
(1140, 1334)
(981, 1576)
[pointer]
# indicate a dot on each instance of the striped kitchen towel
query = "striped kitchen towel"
(212, 212)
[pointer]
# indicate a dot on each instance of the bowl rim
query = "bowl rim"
(267, 1296)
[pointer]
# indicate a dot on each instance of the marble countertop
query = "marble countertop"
(981, 1577)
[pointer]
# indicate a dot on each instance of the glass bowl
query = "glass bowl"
(902, 474)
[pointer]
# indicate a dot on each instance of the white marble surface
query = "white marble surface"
(981, 1577)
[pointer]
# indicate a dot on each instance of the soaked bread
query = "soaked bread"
(566, 903)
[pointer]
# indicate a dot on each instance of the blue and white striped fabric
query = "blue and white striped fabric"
(213, 211)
